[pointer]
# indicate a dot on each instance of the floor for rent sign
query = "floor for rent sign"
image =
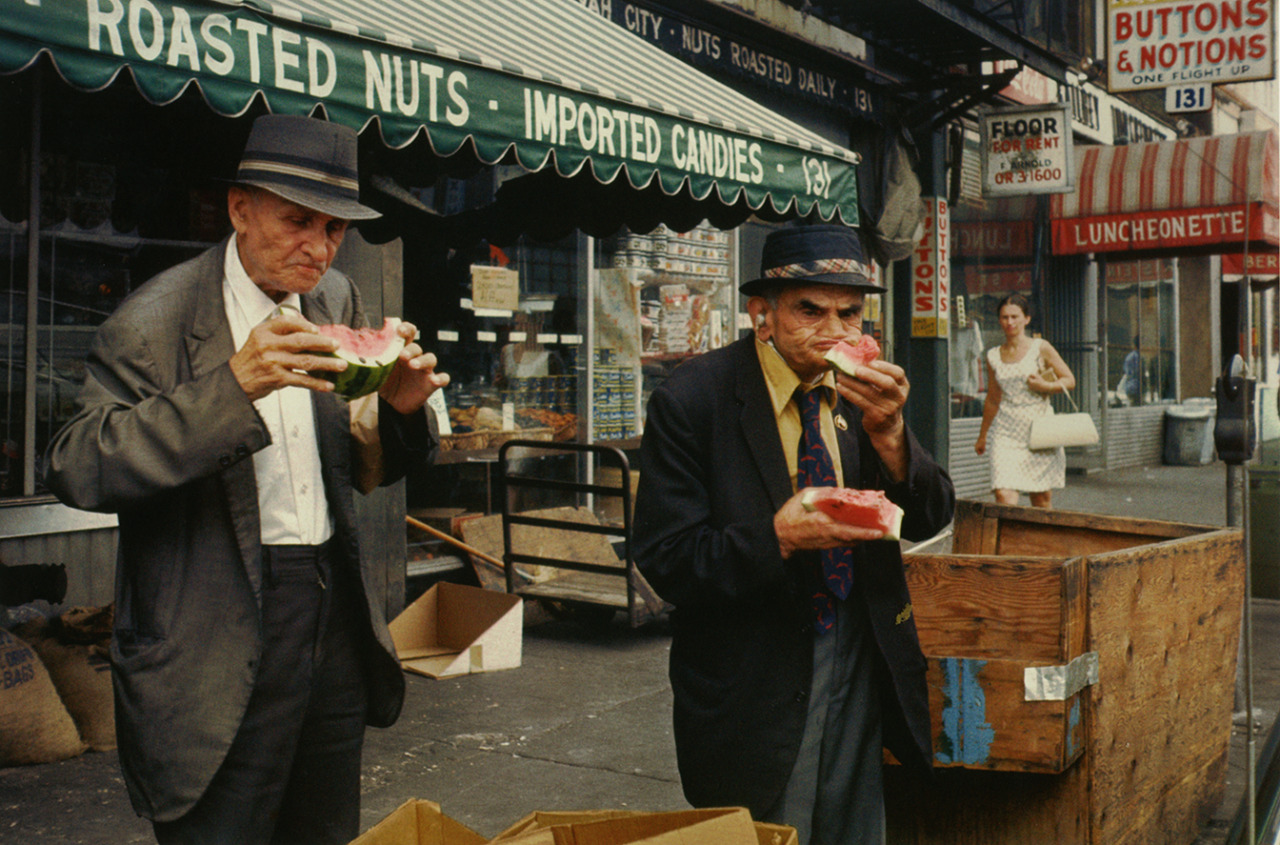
(1161, 43)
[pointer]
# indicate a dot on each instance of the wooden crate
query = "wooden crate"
(1158, 602)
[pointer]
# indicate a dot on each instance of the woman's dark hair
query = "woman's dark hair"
(1015, 299)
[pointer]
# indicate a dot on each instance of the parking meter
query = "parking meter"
(1233, 433)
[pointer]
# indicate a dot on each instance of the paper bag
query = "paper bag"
(366, 448)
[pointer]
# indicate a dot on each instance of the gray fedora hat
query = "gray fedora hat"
(305, 160)
(812, 255)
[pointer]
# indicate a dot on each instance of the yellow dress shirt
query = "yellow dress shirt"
(782, 383)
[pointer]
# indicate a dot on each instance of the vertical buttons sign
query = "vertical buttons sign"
(931, 273)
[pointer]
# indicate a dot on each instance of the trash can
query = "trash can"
(1188, 434)
(1264, 531)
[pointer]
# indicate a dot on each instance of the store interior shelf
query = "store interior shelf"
(650, 357)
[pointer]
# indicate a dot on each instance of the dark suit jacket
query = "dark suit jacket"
(712, 476)
(163, 438)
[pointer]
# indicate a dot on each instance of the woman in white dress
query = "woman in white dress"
(1022, 373)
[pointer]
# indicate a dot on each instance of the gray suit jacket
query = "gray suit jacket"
(163, 438)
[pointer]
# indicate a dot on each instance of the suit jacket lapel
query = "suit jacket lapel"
(759, 426)
(209, 346)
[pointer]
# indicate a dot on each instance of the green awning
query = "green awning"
(543, 80)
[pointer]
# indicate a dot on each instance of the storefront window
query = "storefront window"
(86, 267)
(1140, 331)
(992, 249)
(83, 277)
(559, 340)
(662, 297)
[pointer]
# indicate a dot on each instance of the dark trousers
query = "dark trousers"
(835, 795)
(293, 772)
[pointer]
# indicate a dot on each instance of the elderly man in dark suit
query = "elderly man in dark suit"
(250, 647)
(789, 677)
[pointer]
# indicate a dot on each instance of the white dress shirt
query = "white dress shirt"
(291, 498)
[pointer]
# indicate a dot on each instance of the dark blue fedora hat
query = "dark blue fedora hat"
(305, 160)
(812, 255)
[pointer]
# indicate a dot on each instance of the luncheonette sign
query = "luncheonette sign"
(1159, 43)
(1026, 150)
(1165, 230)
(931, 273)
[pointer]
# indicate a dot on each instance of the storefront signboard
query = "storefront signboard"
(1004, 238)
(931, 273)
(1162, 43)
(1261, 263)
(727, 52)
(1028, 87)
(986, 280)
(1166, 230)
(1026, 150)
(683, 132)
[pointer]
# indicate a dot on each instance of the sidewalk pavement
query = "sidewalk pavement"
(585, 722)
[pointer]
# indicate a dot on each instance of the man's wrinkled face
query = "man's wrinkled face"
(808, 321)
(284, 247)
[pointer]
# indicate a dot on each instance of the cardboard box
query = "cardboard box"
(419, 823)
(454, 629)
(719, 826)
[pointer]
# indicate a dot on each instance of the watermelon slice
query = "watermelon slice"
(863, 508)
(370, 355)
(847, 358)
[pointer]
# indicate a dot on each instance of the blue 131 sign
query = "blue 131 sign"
(1188, 98)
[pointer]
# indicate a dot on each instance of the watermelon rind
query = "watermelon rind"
(364, 375)
(895, 533)
(842, 362)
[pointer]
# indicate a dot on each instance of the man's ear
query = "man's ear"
(758, 308)
(237, 201)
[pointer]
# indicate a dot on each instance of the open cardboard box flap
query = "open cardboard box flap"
(718, 826)
(454, 629)
(418, 822)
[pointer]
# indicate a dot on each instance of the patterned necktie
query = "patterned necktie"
(815, 469)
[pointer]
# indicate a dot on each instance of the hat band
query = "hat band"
(821, 267)
(305, 173)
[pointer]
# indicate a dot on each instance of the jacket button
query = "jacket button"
(242, 450)
(802, 696)
(224, 461)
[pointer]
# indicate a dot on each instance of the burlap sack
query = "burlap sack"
(35, 726)
(73, 649)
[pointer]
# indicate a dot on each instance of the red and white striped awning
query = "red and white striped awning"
(1212, 193)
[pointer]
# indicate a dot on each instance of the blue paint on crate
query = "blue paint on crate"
(966, 733)
(1073, 723)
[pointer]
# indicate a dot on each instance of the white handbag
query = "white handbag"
(1054, 430)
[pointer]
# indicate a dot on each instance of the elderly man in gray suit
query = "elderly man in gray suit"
(250, 648)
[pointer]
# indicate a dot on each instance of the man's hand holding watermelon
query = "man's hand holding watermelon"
(289, 351)
(800, 528)
(414, 377)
